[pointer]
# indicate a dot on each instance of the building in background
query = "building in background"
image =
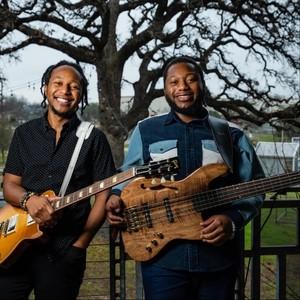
(278, 157)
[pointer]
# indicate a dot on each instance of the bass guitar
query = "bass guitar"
(17, 227)
(157, 214)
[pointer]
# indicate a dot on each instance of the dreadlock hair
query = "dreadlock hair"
(188, 60)
(83, 81)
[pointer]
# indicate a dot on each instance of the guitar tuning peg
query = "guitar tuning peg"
(163, 180)
(153, 181)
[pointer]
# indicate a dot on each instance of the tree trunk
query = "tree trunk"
(117, 147)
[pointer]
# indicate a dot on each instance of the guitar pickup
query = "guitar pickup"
(169, 211)
(10, 225)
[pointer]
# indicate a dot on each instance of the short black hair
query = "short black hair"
(188, 60)
(84, 83)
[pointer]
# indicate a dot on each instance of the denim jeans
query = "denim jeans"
(163, 284)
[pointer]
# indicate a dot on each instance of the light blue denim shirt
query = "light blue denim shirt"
(166, 136)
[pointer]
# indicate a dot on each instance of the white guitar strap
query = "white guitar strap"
(83, 132)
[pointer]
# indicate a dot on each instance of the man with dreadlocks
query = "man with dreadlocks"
(38, 159)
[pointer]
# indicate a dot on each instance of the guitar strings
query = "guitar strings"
(203, 200)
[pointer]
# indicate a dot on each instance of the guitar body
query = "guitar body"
(17, 229)
(22, 229)
(154, 220)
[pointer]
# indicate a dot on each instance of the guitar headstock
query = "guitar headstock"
(159, 168)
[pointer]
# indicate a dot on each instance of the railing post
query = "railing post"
(281, 277)
(117, 291)
(255, 265)
(240, 286)
(112, 265)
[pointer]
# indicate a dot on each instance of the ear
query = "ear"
(45, 90)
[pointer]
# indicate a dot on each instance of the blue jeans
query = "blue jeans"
(163, 284)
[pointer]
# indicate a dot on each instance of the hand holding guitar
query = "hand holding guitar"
(41, 210)
(216, 230)
(114, 210)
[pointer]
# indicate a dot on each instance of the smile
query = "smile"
(185, 97)
(62, 100)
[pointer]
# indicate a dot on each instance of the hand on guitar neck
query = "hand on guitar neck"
(40, 208)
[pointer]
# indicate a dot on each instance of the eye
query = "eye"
(75, 87)
(173, 82)
(57, 83)
(191, 79)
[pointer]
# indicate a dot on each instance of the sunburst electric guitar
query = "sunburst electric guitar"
(157, 214)
(17, 228)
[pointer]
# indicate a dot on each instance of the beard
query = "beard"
(195, 110)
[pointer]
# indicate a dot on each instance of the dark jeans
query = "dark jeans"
(163, 284)
(51, 279)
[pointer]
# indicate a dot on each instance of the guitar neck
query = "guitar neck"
(154, 168)
(218, 197)
(94, 188)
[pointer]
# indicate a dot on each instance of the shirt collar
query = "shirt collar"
(71, 124)
(172, 117)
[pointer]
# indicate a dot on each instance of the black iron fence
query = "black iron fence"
(278, 278)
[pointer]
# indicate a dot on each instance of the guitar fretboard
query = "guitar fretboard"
(155, 168)
(221, 196)
(94, 188)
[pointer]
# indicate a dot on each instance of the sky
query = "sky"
(24, 76)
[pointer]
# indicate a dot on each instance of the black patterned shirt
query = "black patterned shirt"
(42, 164)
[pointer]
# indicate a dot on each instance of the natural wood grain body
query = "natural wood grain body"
(186, 225)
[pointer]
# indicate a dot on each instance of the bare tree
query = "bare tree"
(249, 51)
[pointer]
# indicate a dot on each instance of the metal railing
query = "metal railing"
(280, 252)
(250, 274)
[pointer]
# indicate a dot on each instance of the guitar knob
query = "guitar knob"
(153, 181)
(159, 234)
(148, 248)
(163, 180)
(154, 242)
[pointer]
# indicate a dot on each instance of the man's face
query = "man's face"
(64, 91)
(183, 89)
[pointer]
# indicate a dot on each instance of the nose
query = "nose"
(66, 89)
(183, 85)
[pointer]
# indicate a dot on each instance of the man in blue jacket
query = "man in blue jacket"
(206, 268)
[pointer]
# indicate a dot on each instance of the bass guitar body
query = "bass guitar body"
(154, 218)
